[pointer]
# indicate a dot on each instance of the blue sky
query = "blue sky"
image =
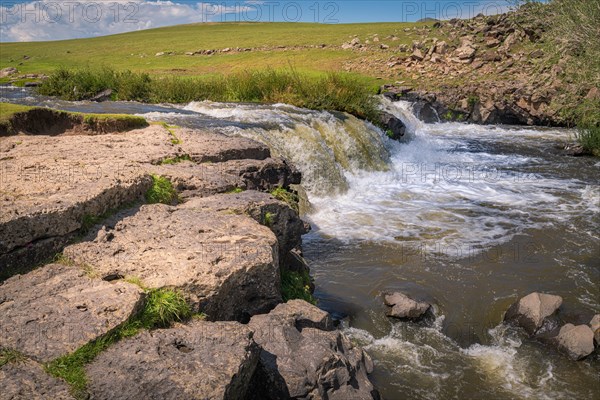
(27, 20)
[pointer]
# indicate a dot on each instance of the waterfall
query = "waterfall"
(324, 146)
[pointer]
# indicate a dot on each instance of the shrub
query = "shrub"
(296, 285)
(162, 191)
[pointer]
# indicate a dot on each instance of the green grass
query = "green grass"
(10, 356)
(331, 91)
(162, 191)
(162, 307)
(296, 285)
(269, 219)
(235, 190)
(136, 50)
(176, 159)
(286, 196)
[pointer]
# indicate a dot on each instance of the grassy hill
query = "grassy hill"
(271, 45)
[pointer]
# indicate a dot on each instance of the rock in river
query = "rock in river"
(530, 311)
(575, 341)
(405, 307)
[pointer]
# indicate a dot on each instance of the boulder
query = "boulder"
(465, 52)
(26, 379)
(7, 72)
(577, 342)
(393, 126)
(202, 360)
(530, 311)
(54, 310)
(303, 357)
(226, 265)
(405, 307)
(595, 326)
(417, 55)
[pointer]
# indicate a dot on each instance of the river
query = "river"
(466, 217)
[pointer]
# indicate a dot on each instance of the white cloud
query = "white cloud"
(69, 19)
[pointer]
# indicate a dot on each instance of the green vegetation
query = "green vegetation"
(332, 91)
(171, 129)
(176, 159)
(162, 307)
(10, 356)
(286, 196)
(269, 219)
(235, 190)
(296, 285)
(94, 122)
(162, 191)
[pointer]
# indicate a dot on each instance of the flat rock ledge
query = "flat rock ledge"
(54, 310)
(51, 184)
(202, 360)
(26, 380)
(226, 265)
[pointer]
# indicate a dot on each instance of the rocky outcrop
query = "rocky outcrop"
(56, 309)
(4, 72)
(60, 182)
(530, 311)
(26, 379)
(202, 360)
(303, 357)
(226, 265)
(264, 209)
(403, 306)
(577, 342)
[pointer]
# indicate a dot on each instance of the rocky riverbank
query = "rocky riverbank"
(148, 212)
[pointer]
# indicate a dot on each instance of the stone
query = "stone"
(530, 311)
(355, 41)
(465, 52)
(7, 72)
(577, 342)
(26, 379)
(441, 47)
(226, 265)
(405, 307)
(595, 326)
(102, 96)
(394, 127)
(384, 46)
(201, 360)
(56, 309)
(593, 94)
(205, 147)
(283, 221)
(417, 55)
(303, 357)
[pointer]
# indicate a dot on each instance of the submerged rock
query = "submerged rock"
(302, 357)
(202, 360)
(405, 307)
(531, 311)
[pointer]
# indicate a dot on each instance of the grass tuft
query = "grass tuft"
(286, 196)
(296, 285)
(10, 356)
(162, 191)
(162, 307)
(176, 159)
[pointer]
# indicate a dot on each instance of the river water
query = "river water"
(466, 217)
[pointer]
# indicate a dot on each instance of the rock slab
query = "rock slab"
(202, 360)
(26, 380)
(56, 309)
(226, 265)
